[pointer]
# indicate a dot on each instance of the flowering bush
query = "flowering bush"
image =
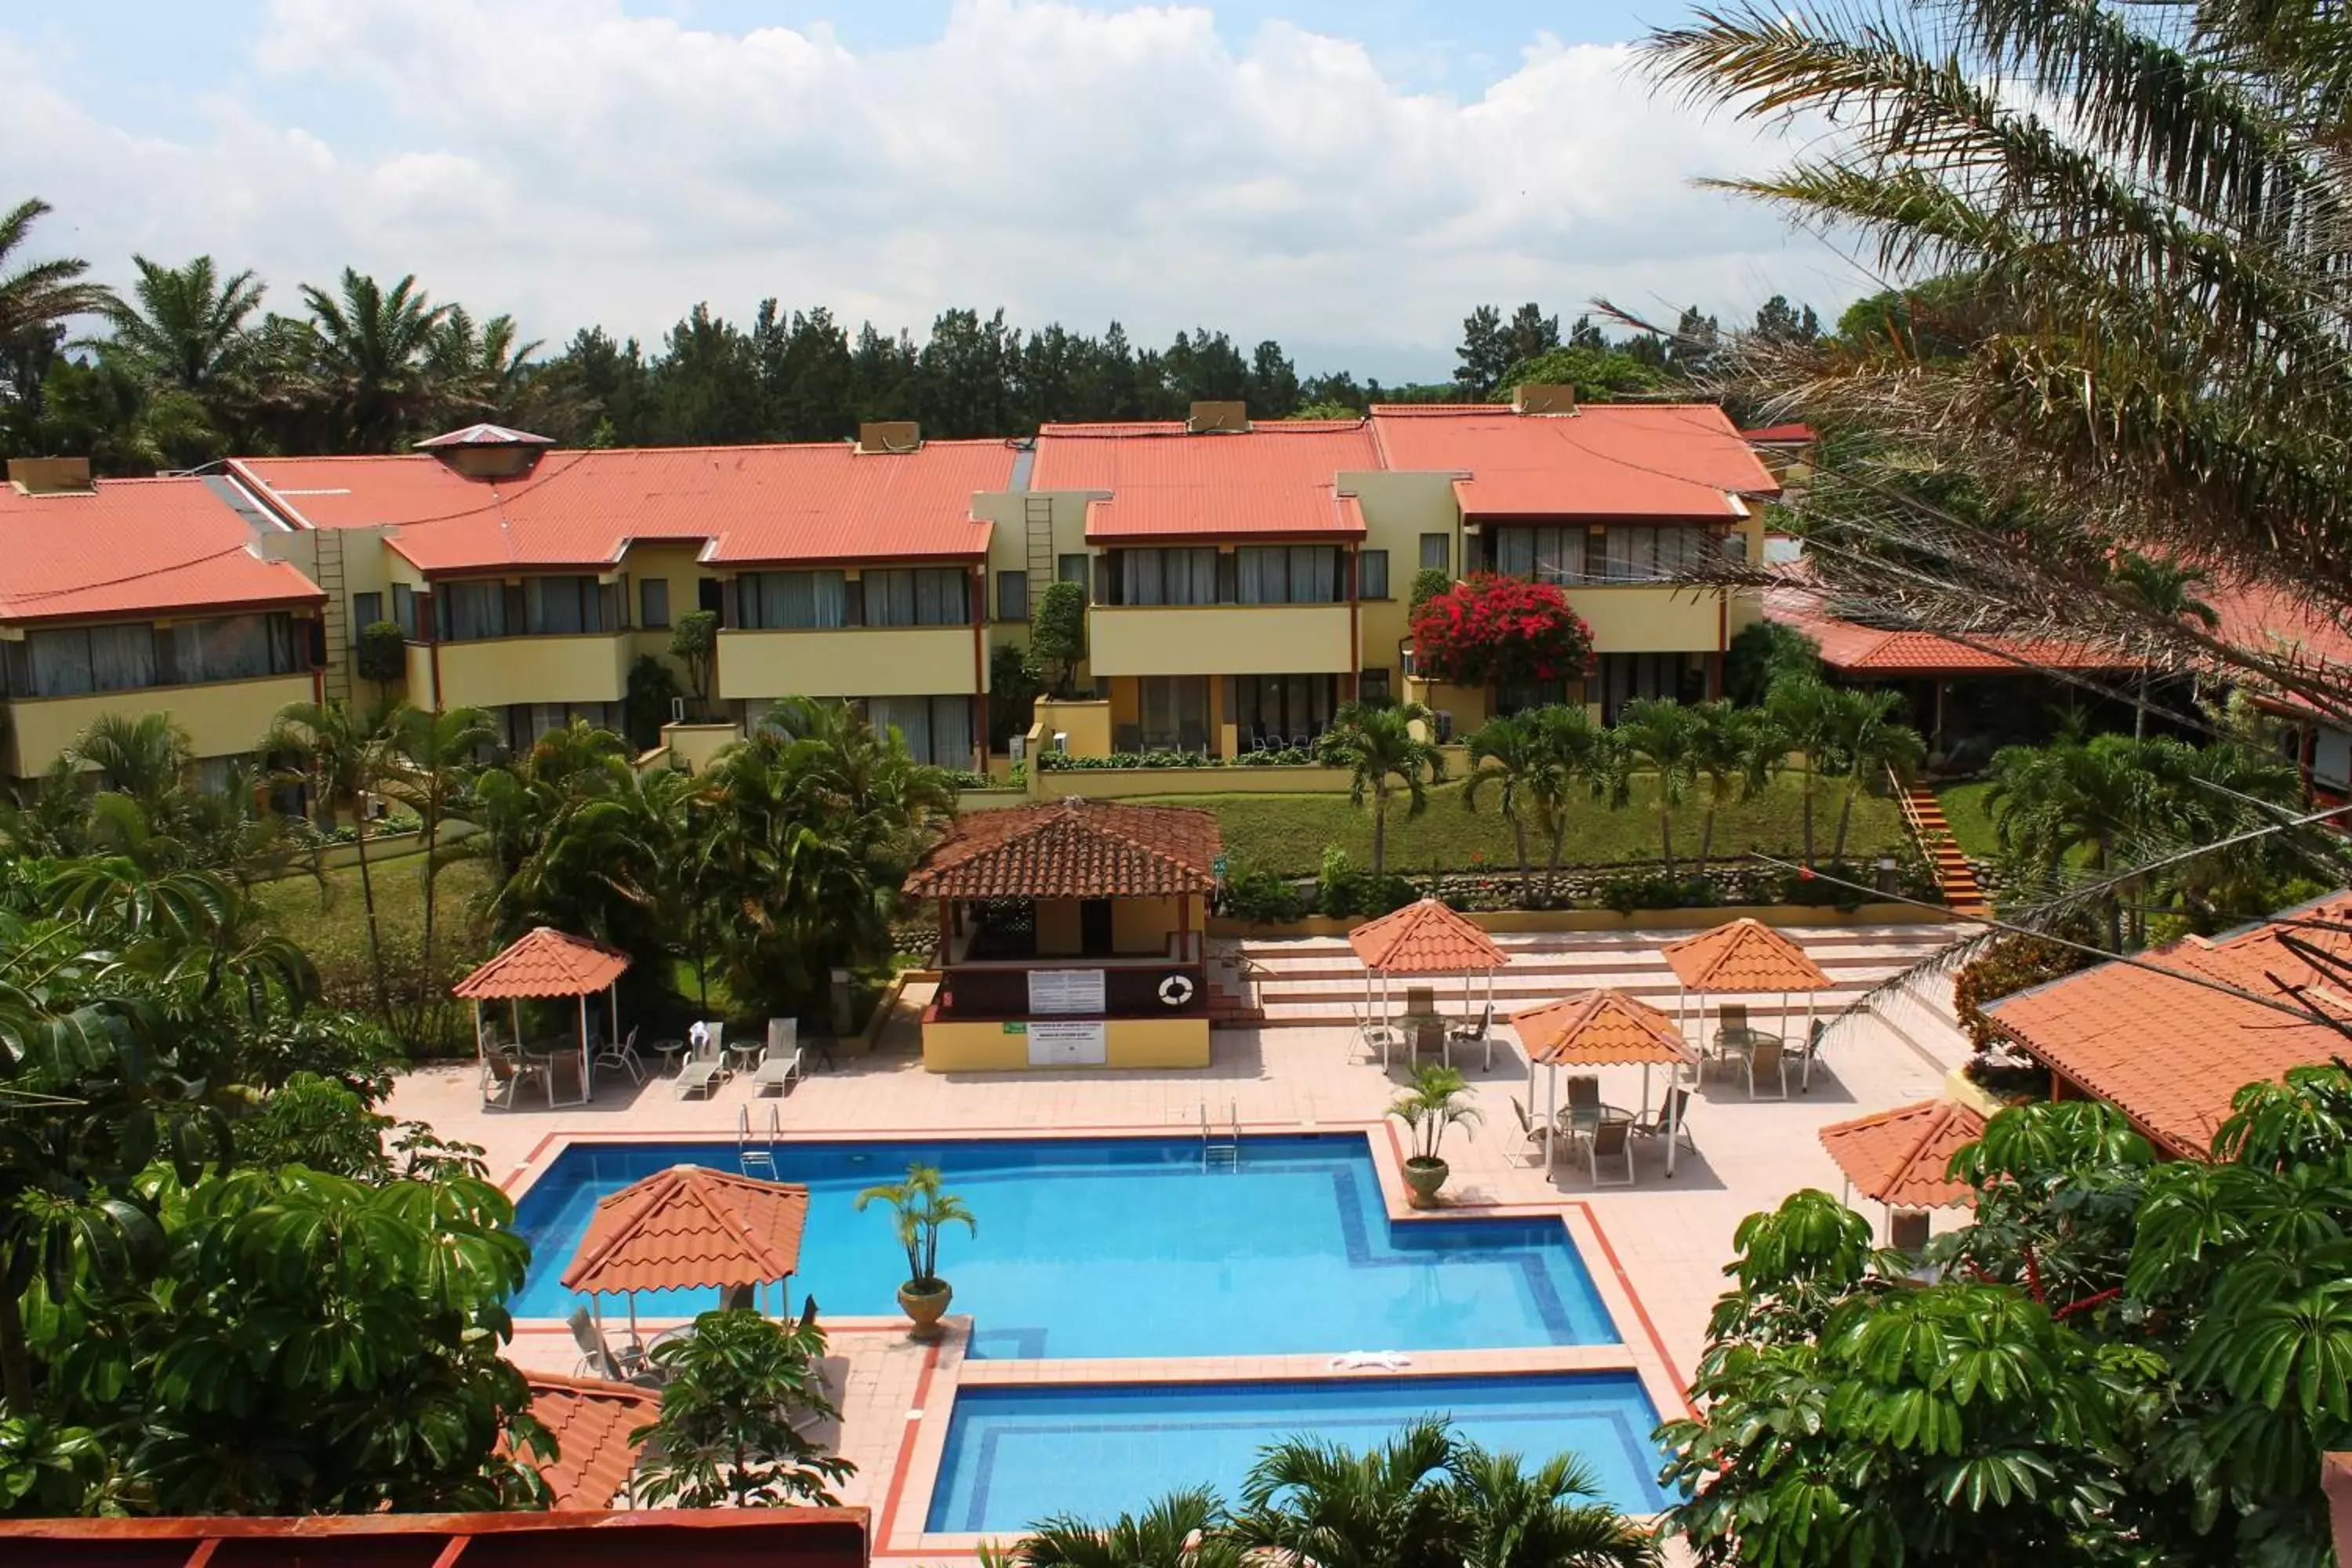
(1504, 630)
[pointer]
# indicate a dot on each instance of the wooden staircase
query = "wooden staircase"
(1963, 894)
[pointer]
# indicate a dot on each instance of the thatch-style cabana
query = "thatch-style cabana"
(1426, 937)
(691, 1228)
(1597, 1029)
(542, 964)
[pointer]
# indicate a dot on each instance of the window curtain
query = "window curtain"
(560, 607)
(58, 663)
(910, 716)
(1543, 554)
(233, 647)
(471, 610)
(122, 659)
(1263, 575)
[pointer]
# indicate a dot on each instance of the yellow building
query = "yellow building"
(138, 597)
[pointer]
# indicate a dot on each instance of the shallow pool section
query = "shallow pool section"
(1015, 1456)
(1126, 1247)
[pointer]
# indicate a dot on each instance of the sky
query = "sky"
(1349, 177)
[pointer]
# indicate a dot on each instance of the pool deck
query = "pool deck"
(1655, 1250)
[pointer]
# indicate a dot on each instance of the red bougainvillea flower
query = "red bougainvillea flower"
(1490, 629)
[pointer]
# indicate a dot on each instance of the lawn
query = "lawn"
(1287, 833)
(334, 920)
(1966, 809)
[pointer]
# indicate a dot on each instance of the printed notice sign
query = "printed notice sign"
(1066, 991)
(1068, 1043)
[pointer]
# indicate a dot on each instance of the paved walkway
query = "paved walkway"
(1657, 1248)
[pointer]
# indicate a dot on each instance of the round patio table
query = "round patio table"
(669, 1050)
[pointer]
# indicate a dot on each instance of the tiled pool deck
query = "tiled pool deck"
(1655, 1250)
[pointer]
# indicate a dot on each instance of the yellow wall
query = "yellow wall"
(1088, 724)
(1398, 509)
(852, 662)
(677, 565)
(223, 718)
(1128, 1043)
(497, 672)
(1651, 619)
(1219, 639)
(693, 746)
(1140, 927)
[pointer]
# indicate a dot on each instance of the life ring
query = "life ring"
(1176, 990)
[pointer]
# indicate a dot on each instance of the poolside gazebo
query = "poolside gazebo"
(544, 963)
(1899, 1157)
(690, 1228)
(1746, 957)
(1426, 937)
(1597, 1029)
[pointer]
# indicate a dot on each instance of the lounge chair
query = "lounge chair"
(1767, 1062)
(599, 1358)
(779, 1070)
(622, 1056)
(703, 1071)
(1612, 1141)
(505, 1072)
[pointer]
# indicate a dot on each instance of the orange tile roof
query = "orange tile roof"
(818, 502)
(134, 547)
(1744, 955)
(2169, 1054)
(1856, 649)
(1278, 480)
(1599, 1029)
(544, 962)
(1073, 850)
(1899, 1156)
(1607, 460)
(590, 1420)
(691, 1227)
(1425, 937)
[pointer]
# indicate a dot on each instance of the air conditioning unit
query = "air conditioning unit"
(1061, 741)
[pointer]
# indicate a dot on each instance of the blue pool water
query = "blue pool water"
(1125, 1246)
(1015, 1456)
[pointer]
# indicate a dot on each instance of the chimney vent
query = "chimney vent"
(1532, 398)
(1219, 418)
(50, 476)
(890, 435)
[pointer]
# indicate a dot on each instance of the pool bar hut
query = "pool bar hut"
(691, 1228)
(547, 964)
(1898, 1158)
(1070, 935)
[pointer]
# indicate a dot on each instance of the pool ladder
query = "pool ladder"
(1221, 1151)
(756, 1158)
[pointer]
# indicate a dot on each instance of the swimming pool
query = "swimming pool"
(1016, 1454)
(1126, 1247)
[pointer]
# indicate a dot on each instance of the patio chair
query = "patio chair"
(1534, 1135)
(1730, 1030)
(504, 1073)
(1612, 1141)
(1583, 1113)
(1671, 1120)
(599, 1358)
(1767, 1062)
(1469, 1034)
(704, 1069)
(780, 1070)
(1805, 1054)
(622, 1056)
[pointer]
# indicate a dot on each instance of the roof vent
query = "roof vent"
(890, 435)
(50, 476)
(487, 451)
(1533, 398)
(1218, 419)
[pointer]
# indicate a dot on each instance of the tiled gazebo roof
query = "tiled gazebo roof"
(1425, 937)
(1899, 1156)
(1073, 850)
(1744, 955)
(691, 1227)
(1599, 1029)
(545, 962)
(590, 1420)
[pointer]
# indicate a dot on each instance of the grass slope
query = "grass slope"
(1965, 808)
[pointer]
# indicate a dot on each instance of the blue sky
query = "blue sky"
(1347, 177)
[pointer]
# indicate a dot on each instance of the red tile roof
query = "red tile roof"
(691, 1227)
(2276, 623)
(544, 962)
(1854, 650)
(134, 547)
(590, 1420)
(1899, 1156)
(753, 505)
(1425, 938)
(1744, 955)
(1606, 459)
(2169, 1054)
(1599, 1029)
(1278, 480)
(1073, 850)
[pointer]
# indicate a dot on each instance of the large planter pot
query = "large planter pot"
(1421, 1180)
(925, 1309)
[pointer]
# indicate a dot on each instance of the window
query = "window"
(920, 596)
(1012, 596)
(653, 603)
(937, 730)
(1619, 678)
(75, 660)
(403, 612)
(792, 601)
(1371, 573)
(1073, 569)
(1436, 550)
(232, 647)
(1287, 575)
(564, 606)
(367, 609)
(1175, 711)
(1280, 711)
(1167, 577)
(1544, 554)
(1373, 686)
(468, 612)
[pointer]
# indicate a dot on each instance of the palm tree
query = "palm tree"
(1663, 736)
(1800, 706)
(1508, 755)
(1576, 751)
(1868, 739)
(2050, 801)
(435, 758)
(1181, 1530)
(343, 757)
(1385, 754)
(146, 758)
(1515, 1517)
(2166, 590)
(374, 349)
(1317, 1503)
(187, 326)
(1739, 749)
(37, 297)
(481, 372)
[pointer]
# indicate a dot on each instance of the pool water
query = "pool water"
(1126, 1247)
(1015, 1456)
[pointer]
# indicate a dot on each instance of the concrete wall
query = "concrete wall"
(497, 672)
(1651, 619)
(1128, 1043)
(223, 718)
(1219, 639)
(692, 746)
(1398, 509)
(849, 661)
(1088, 724)
(675, 564)
(1141, 927)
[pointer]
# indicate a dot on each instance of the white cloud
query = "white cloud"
(572, 163)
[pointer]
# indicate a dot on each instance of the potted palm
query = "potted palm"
(920, 1209)
(1432, 1104)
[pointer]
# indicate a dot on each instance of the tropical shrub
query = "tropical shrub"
(738, 1391)
(1264, 896)
(1500, 630)
(381, 653)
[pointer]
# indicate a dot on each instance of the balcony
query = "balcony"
(850, 661)
(221, 716)
(496, 672)
(1219, 639)
(1648, 617)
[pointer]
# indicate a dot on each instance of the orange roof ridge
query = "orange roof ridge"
(1900, 1156)
(688, 1227)
(1598, 1028)
(544, 962)
(1425, 936)
(1073, 849)
(1744, 955)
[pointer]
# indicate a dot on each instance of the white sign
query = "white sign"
(1068, 1043)
(1066, 991)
